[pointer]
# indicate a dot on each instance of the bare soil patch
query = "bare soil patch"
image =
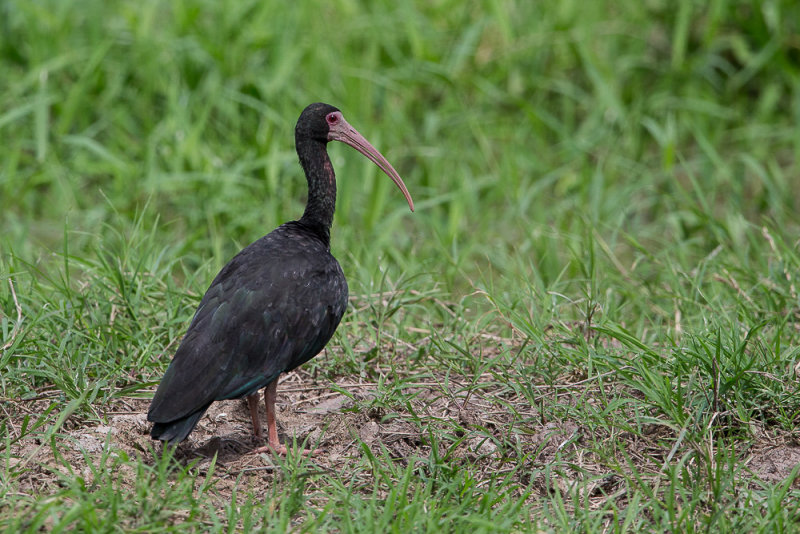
(492, 433)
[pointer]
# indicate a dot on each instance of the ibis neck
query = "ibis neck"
(321, 186)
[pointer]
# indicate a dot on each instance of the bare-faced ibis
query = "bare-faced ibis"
(274, 306)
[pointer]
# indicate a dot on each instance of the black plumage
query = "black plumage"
(274, 306)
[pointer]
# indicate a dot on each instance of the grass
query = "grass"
(602, 270)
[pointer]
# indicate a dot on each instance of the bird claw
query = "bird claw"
(283, 451)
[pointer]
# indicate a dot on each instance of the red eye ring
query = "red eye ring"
(332, 118)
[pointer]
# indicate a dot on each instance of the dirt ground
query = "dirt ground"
(492, 434)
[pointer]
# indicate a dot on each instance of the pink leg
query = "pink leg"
(270, 394)
(252, 403)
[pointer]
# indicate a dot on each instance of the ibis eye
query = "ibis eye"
(332, 118)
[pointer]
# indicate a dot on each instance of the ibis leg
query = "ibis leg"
(274, 445)
(252, 403)
(270, 394)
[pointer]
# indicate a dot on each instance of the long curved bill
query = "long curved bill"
(343, 132)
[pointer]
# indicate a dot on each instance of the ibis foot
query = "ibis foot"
(283, 451)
